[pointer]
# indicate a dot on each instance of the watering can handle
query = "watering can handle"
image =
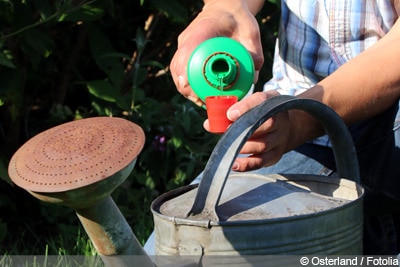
(227, 149)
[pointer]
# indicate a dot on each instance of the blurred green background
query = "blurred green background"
(67, 59)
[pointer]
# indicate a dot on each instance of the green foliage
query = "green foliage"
(66, 60)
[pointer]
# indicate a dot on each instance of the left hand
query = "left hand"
(269, 142)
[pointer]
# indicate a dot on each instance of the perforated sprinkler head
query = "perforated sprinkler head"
(79, 164)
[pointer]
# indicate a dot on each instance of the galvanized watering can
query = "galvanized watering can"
(80, 163)
(252, 214)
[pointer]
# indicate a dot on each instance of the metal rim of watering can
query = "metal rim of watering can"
(220, 162)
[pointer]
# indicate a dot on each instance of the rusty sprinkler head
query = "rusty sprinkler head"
(78, 163)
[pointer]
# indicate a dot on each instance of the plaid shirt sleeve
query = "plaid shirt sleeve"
(317, 36)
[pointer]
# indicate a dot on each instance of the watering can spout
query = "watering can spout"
(113, 228)
(79, 164)
(112, 237)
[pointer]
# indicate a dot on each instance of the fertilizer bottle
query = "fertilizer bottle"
(220, 66)
(220, 70)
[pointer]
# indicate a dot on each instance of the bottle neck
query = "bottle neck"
(221, 70)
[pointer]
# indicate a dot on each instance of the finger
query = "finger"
(188, 40)
(241, 107)
(255, 162)
(206, 125)
(266, 132)
(250, 38)
(184, 88)
(256, 146)
(196, 100)
(186, 91)
(257, 56)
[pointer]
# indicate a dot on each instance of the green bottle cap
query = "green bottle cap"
(220, 66)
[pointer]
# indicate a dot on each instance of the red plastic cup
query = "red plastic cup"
(217, 106)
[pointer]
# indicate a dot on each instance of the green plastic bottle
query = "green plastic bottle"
(220, 66)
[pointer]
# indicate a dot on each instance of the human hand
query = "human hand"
(227, 18)
(271, 140)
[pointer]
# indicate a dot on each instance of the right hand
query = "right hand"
(229, 18)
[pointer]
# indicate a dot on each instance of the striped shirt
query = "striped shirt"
(318, 36)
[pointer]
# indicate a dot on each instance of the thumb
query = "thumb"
(241, 107)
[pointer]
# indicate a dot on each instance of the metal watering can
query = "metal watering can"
(78, 164)
(252, 214)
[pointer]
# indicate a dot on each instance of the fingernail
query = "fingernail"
(233, 114)
(235, 166)
(181, 82)
(256, 75)
(196, 100)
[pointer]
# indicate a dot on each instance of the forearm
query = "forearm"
(363, 87)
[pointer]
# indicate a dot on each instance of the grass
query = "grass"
(59, 251)
(69, 247)
(73, 241)
(82, 245)
(48, 229)
(51, 261)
